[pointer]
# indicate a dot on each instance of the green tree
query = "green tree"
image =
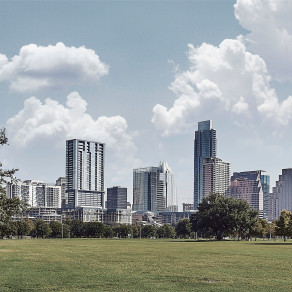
(77, 228)
(283, 226)
(41, 229)
(8, 207)
(183, 228)
(165, 231)
(148, 231)
(219, 216)
(94, 229)
(23, 227)
(108, 231)
(57, 229)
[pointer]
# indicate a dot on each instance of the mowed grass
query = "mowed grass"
(144, 265)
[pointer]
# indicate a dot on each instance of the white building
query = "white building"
(84, 173)
(36, 193)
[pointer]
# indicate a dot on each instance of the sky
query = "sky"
(139, 76)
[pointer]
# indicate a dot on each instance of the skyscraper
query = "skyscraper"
(84, 173)
(116, 198)
(265, 180)
(216, 177)
(247, 185)
(204, 147)
(153, 188)
(283, 191)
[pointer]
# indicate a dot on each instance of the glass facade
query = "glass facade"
(265, 180)
(153, 188)
(204, 146)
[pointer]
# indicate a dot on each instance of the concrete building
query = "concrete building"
(116, 198)
(216, 177)
(205, 145)
(153, 188)
(247, 185)
(61, 181)
(36, 193)
(188, 207)
(271, 209)
(283, 191)
(84, 173)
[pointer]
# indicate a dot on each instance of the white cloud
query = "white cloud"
(39, 120)
(231, 76)
(270, 33)
(38, 67)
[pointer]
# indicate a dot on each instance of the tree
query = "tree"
(283, 226)
(57, 229)
(23, 227)
(219, 216)
(165, 231)
(8, 207)
(94, 229)
(41, 229)
(77, 228)
(148, 231)
(183, 228)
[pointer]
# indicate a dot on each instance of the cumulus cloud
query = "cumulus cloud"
(270, 33)
(38, 67)
(38, 120)
(231, 76)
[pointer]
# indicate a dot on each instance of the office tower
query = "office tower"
(247, 185)
(84, 173)
(216, 177)
(61, 181)
(36, 193)
(265, 180)
(204, 147)
(283, 191)
(153, 188)
(116, 198)
(271, 206)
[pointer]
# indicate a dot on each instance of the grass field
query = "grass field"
(146, 265)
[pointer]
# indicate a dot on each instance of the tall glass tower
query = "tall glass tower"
(205, 146)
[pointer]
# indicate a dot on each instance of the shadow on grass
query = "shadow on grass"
(198, 241)
(273, 243)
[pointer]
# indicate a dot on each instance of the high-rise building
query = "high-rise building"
(247, 185)
(36, 193)
(61, 181)
(283, 191)
(153, 188)
(204, 147)
(84, 173)
(116, 198)
(216, 177)
(265, 180)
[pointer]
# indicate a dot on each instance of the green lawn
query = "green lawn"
(146, 265)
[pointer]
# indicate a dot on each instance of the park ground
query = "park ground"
(144, 265)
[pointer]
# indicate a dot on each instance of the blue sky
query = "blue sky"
(139, 75)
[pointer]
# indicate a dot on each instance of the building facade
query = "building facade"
(116, 198)
(265, 181)
(153, 188)
(283, 192)
(216, 177)
(36, 193)
(84, 173)
(205, 145)
(247, 185)
(61, 181)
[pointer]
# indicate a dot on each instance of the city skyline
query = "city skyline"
(102, 71)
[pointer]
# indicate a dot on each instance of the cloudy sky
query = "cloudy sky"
(138, 76)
